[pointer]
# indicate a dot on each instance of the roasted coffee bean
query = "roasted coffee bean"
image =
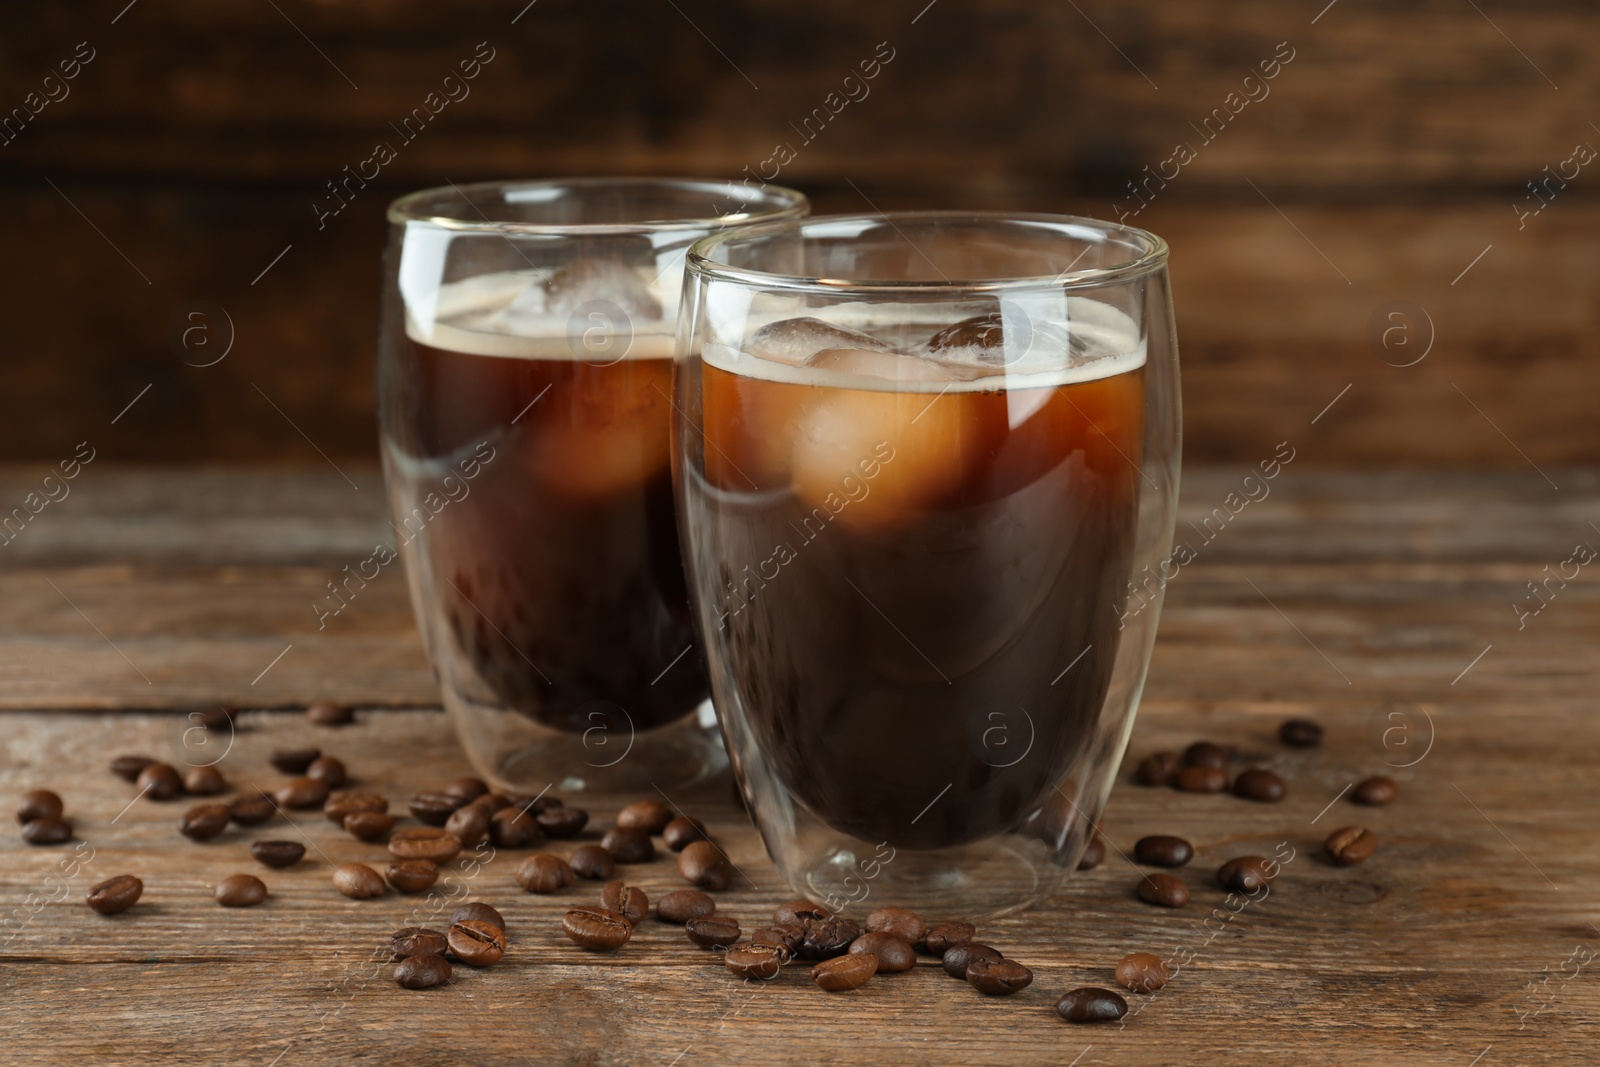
(493, 802)
(960, 955)
(562, 822)
(422, 971)
(754, 961)
(329, 771)
(903, 923)
(1258, 783)
(416, 941)
(424, 843)
(115, 894)
(253, 809)
(514, 828)
(358, 881)
(327, 713)
(277, 854)
(39, 804)
(800, 911)
(544, 873)
(941, 937)
(204, 781)
(1091, 1005)
(1094, 854)
(477, 944)
(300, 794)
(368, 825)
(1301, 733)
(826, 938)
(701, 863)
(1202, 780)
(467, 789)
(205, 821)
(680, 832)
(894, 954)
(998, 978)
(159, 781)
(433, 809)
(46, 831)
(479, 912)
(128, 767)
(1375, 792)
(1163, 850)
(597, 929)
(648, 815)
(470, 823)
(1158, 768)
(1246, 874)
(294, 760)
(1205, 754)
(626, 900)
(628, 845)
(217, 717)
(711, 931)
(1350, 845)
(592, 861)
(681, 905)
(1164, 891)
(787, 936)
(241, 891)
(1143, 972)
(845, 972)
(340, 806)
(534, 805)
(411, 876)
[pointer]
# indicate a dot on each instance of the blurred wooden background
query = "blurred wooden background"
(1387, 158)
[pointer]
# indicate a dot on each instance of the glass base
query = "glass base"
(978, 881)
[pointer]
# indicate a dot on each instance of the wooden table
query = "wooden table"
(1381, 604)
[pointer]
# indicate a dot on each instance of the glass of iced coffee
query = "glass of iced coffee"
(920, 459)
(525, 381)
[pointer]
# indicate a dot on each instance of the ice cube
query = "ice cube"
(793, 341)
(587, 281)
(1004, 341)
(890, 366)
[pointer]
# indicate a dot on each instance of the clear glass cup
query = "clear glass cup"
(524, 387)
(921, 461)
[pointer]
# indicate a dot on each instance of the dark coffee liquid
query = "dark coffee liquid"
(903, 578)
(558, 573)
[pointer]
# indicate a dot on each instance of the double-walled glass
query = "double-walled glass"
(921, 459)
(525, 379)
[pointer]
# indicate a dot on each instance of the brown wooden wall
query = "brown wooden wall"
(1385, 158)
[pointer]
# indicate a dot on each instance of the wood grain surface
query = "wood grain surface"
(1468, 935)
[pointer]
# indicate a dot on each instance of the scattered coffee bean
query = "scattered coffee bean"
(544, 873)
(339, 806)
(1375, 792)
(493, 802)
(1094, 854)
(253, 809)
(958, 957)
(628, 845)
(845, 972)
(277, 854)
(787, 936)
(648, 815)
(329, 771)
(467, 789)
(470, 823)
(358, 881)
(1258, 783)
(1143, 972)
(205, 821)
(592, 861)
(998, 978)
(894, 954)
(424, 843)
(46, 831)
(300, 794)
(411, 876)
(754, 961)
(941, 937)
(294, 760)
(1350, 845)
(1202, 780)
(800, 911)
(514, 828)
(597, 929)
(903, 923)
(1091, 1005)
(1300, 733)
(826, 938)
(241, 891)
(39, 804)
(1164, 891)
(204, 781)
(422, 971)
(159, 781)
(534, 805)
(477, 944)
(368, 825)
(1163, 850)
(479, 912)
(680, 832)
(219, 717)
(1158, 768)
(626, 900)
(701, 863)
(128, 767)
(681, 905)
(710, 931)
(327, 713)
(1206, 754)
(433, 809)
(115, 895)
(417, 941)
(1246, 874)
(562, 822)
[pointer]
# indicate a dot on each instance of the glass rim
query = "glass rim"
(1151, 257)
(787, 204)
